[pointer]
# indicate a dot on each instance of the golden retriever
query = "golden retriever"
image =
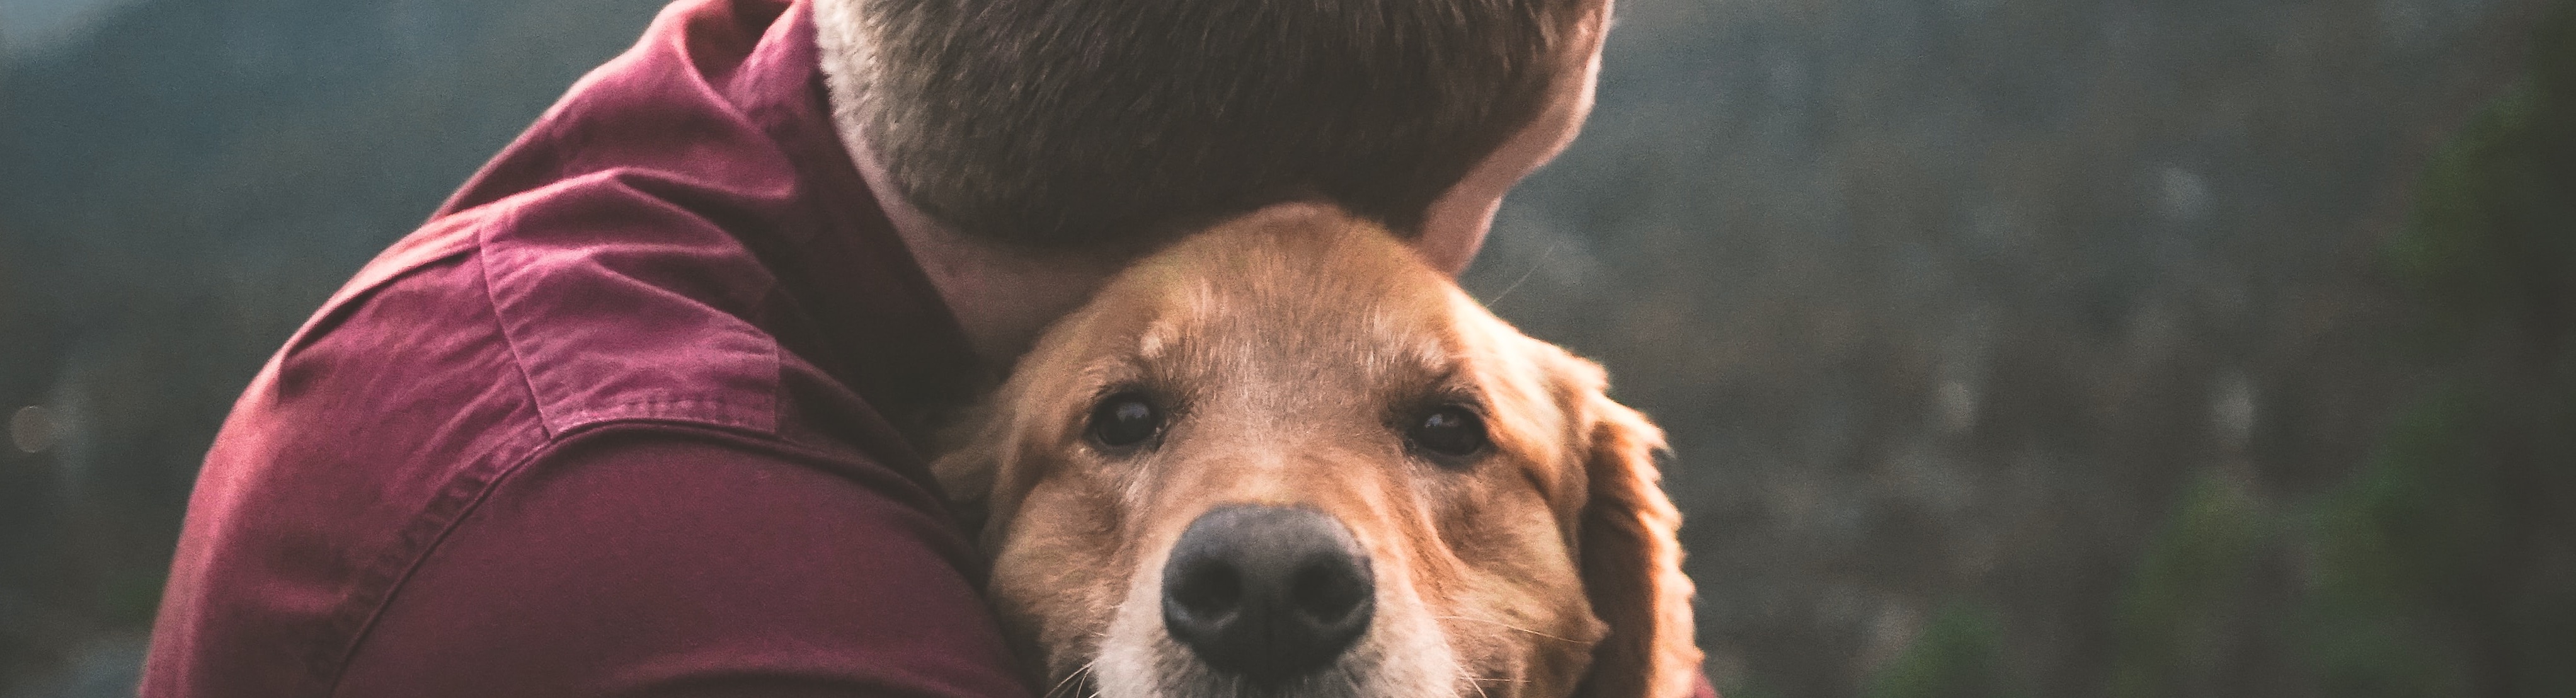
(1284, 458)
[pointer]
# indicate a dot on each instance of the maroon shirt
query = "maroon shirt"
(615, 422)
(611, 423)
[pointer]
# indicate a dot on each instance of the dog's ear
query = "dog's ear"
(971, 453)
(1631, 560)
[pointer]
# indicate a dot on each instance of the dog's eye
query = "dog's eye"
(1125, 419)
(1449, 430)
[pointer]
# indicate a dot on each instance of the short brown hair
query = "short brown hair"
(1072, 124)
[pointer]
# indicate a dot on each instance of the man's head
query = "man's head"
(1107, 126)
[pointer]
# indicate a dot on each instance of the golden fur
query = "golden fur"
(1289, 345)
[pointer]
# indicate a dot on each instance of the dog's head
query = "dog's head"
(1284, 458)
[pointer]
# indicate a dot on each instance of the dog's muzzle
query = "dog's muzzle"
(1267, 593)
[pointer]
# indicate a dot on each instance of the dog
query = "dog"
(1283, 457)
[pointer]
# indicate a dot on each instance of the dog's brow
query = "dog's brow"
(1422, 351)
(1106, 375)
(1430, 355)
(1155, 340)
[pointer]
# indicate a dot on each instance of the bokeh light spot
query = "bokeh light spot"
(31, 429)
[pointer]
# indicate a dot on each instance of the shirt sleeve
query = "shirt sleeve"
(654, 564)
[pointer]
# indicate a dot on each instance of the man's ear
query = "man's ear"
(1631, 560)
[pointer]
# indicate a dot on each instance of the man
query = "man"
(637, 411)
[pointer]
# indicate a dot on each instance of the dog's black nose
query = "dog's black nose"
(1267, 592)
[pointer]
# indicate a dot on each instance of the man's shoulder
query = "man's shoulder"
(619, 304)
(470, 355)
(552, 565)
(636, 560)
(588, 302)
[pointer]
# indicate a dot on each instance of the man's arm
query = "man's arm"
(660, 565)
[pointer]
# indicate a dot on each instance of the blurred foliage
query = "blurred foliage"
(1959, 655)
(2396, 550)
(2178, 618)
(2446, 565)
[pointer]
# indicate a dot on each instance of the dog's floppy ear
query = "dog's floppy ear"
(1631, 561)
(972, 449)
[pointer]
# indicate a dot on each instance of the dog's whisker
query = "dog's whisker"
(1083, 680)
(1507, 626)
(1525, 276)
(1473, 681)
(1070, 678)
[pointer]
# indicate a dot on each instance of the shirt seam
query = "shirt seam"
(501, 326)
(536, 446)
(730, 416)
(531, 443)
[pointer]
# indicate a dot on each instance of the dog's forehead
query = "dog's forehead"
(1316, 313)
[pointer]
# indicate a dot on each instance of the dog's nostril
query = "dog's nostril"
(1325, 591)
(1267, 593)
(1209, 590)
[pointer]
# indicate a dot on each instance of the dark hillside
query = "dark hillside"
(1948, 306)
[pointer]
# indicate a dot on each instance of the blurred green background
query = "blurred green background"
(2111, 348)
